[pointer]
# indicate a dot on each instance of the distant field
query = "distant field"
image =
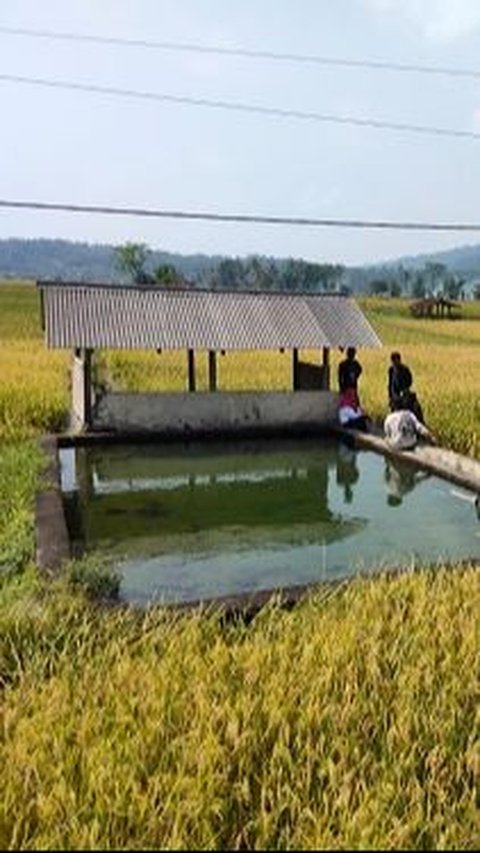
(444, 356)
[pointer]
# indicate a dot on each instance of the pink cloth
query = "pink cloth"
(349, 398)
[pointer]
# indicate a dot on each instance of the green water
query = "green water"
(197, 521)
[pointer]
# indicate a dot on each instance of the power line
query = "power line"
(239, 217)
(312, 59)
(237, 106)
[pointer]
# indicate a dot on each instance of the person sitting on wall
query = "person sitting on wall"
(349, 371)
(403, 429)
(350, 413)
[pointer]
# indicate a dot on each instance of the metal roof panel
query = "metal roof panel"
(114, 317)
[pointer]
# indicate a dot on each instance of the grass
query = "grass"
(34, 382)
(351, 722)
(20, 466)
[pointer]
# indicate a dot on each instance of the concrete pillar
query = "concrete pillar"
(82, 388)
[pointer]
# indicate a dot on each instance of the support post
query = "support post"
(295, 369)
(212, 370)
(326, 368)
(191, 370)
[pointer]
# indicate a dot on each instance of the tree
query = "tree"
(395, 288)
(229, 274)
(405, 279)
(132, 259)
(435, 274)
(308, 277)
(167, 275)
(260, 274)
(332, 276)
(453, 286)
(418, 287)
(379, 286)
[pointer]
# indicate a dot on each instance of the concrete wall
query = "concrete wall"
(187, 414)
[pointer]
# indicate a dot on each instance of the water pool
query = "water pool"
(193, 521)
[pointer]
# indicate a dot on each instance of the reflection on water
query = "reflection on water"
(202, 520)
(347, 470)
(400, 480)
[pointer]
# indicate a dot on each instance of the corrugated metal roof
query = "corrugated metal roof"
(115, 317)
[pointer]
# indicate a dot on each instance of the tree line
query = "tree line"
(64, 260)
(433, 279)
(252, 273)
(268, 274)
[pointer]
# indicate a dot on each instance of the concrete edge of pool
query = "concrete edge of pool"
(452, 466)
(53, 548)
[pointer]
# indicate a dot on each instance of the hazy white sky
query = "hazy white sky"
(84, 148)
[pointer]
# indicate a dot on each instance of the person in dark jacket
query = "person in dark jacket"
(400, 394)
(399, 382)
(349, 371)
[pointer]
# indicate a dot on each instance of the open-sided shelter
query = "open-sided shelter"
(85, 318)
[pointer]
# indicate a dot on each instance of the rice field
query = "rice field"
(351, 722)
(34, 381)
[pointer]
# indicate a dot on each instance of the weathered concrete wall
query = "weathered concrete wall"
(51, 534)
(187, 414)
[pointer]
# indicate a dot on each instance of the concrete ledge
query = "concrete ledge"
(247, 605)
(102, 438)
(50, 478)
(459, 469)
(52, 542)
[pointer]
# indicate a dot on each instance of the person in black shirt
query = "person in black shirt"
(349, 371)
(399, 382)
(400, 394)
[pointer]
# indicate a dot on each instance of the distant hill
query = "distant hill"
(464, 260)
(71, 261)
(64, 259)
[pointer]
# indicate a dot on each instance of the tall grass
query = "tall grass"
(20, 466)
(34, 382)
(349, 723)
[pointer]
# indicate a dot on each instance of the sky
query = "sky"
(89, 148)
